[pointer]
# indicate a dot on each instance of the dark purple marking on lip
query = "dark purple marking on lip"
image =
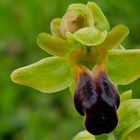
(85, 94)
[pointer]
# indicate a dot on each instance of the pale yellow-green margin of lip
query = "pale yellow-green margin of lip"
(55, 23)
(84, 135)
(48, 75)
(128, 127)
(89, 36)
(127, 95)
(123, 66)
(96, 17)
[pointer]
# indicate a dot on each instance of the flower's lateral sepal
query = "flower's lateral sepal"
(47, 75)
(123, 66)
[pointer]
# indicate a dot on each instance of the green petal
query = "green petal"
(123, 66)
(53, 44)
(84, 135)
(79, 7)
(90, 36)
(55, 23)
(129, 120)
(95, 14)
(115, 37)
(48, 75)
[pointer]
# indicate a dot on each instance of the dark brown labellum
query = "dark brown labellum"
(97, 99)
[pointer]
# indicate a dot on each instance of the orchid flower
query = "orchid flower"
(87, 57)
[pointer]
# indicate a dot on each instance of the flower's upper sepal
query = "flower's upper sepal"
(96, 17)
(97, 99)
(73, 20)
(79, 16)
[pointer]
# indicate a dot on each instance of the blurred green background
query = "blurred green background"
(27, 114)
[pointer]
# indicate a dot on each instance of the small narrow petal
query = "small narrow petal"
(114, 37)
(53, 44)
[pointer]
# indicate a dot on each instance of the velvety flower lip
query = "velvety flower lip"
(101, 120)
(102, 117)
(97, 100)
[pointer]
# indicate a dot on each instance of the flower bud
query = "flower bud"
(97, 99)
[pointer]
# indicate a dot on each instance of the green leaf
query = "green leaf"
(48, 75)
(114, 37)
(102, 137)
(129, 120)
(127, 95)
(123, 66)
(90, 36)
(53, 44)
(96, 15)
(134, 135)
(84, 135)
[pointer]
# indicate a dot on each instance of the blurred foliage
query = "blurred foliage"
(26, 114)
